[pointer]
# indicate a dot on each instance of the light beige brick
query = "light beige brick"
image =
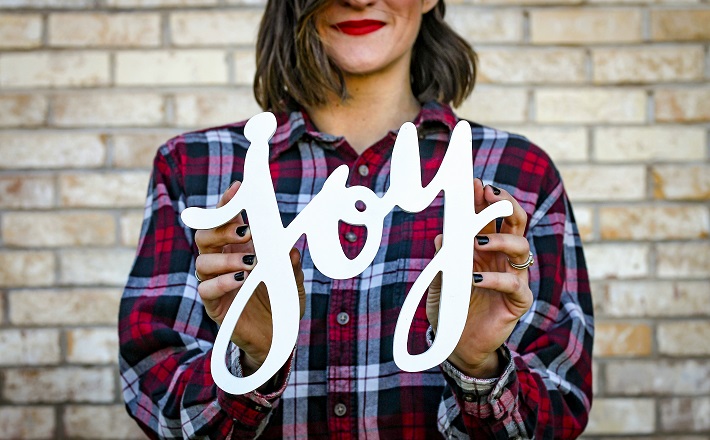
(54, 69)
(687, 338)
(225, 27)
(107, 190)
(110, 422)
(214, 109)
(531, 65)
(621, 416)
(26, 422)
(595, 105)
(648, 64)
(653, 299)
(95, 267)
(490, 105)
(131, 224)
(22, 31)
(26, 192)
(486, 25)
(658, 377)
(681, 182)
(104, 29)
(659, 143)
(26, 268)
(683, 260)
(51, 150)
(92, 345)
(109, 110)
(23, 110)
(47, 3)
(678, 182)
(137, 150)
(683, 105)
(2, 308)
(245, 67)
(617, 261)
(54, 385)
(585, 25)
(685, 414)
(604, 183)
(563, 144)
(52, 229)
(29, 347)
(157, 3)
(680, 25)
(186, 67)
(94, 306)
(584, 216)
(670, 222)
(622, 339)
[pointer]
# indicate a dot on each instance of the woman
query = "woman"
(342, 76)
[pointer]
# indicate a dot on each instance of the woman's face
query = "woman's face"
(365, 37)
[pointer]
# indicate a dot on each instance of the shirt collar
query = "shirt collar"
(433, 118)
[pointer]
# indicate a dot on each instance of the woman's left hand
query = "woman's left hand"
(500, 294)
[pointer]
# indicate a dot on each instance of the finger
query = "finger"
(515, 247)
(213, 240)
(480, 204)
(515, 288)
(295, 257)
(231, 191)
(212, 290)
(515, 223)
(209, 266)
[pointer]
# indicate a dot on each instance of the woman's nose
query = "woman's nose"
(358, 4)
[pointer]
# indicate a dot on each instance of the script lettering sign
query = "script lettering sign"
(319, 221)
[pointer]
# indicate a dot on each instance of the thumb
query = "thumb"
(295, 257)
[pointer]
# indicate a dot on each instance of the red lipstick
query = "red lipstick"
(358, 27)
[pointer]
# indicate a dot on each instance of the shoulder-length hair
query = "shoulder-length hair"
(292, 66)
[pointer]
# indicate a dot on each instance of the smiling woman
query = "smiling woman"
(342, 77)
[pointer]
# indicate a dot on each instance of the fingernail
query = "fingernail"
(477, 277)
(242, 230)
(239, 276)
(482, 239)
(496, 191)
(248, 259)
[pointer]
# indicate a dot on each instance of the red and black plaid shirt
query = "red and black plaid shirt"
(341, 381)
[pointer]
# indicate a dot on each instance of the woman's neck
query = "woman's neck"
(373, 109)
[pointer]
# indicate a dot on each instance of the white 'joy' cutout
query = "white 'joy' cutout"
(319, 221)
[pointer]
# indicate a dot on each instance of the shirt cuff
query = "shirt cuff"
(482, 398)
(250, 409)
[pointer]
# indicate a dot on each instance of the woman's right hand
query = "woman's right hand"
(226, 257)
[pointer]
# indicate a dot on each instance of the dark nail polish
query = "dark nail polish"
(477, 277)
(496, 191)
(482, 239)
(239, 276)
(242, 230)
(248, 259)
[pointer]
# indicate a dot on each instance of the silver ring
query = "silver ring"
(525, 265)
(199, 280)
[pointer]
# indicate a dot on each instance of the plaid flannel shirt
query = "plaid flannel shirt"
(341, 380)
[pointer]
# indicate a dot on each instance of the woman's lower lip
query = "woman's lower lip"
(360, 29)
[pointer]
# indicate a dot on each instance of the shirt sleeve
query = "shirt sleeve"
(545, 389)
(166, 338)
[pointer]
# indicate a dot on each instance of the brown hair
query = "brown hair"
(292, 66)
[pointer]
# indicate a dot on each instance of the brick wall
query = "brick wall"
(616, 91)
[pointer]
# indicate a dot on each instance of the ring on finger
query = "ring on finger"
(197, 276)
(525, 265)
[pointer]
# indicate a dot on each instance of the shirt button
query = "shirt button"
(363, 170)
(343, 318)
(351, 237)
(340, 410)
